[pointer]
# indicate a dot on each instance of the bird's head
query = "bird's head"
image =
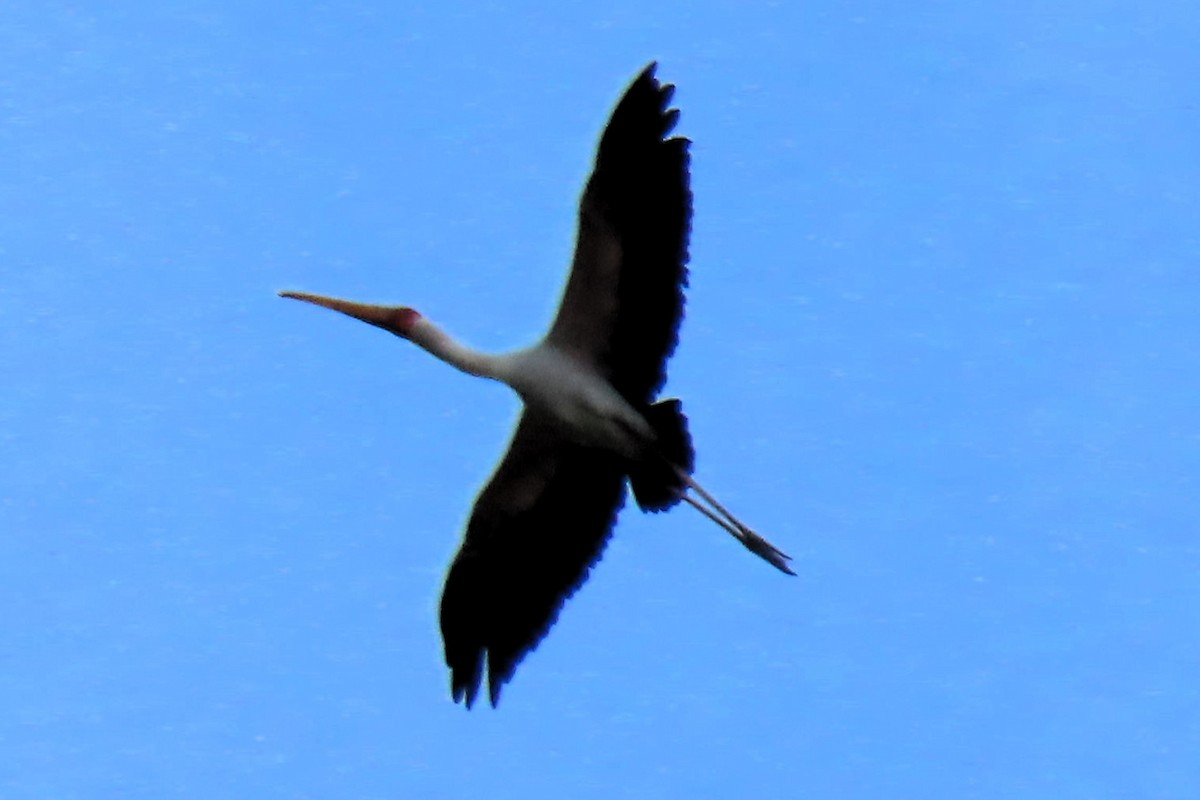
(399, 320)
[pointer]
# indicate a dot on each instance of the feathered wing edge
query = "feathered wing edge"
(537, 528)
(624, 300)
(545, 516)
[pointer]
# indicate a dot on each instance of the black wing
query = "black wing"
(623, 301)
(535, 531)
(545, 516)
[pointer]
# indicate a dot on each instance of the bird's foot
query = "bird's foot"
(765, 550)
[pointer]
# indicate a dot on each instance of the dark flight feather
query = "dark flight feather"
(545, 516)
(623, 301)
(537, 528)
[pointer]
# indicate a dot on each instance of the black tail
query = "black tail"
(655, 480)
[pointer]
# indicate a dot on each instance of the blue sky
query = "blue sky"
(941, 346)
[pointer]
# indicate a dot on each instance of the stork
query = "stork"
(591, 421)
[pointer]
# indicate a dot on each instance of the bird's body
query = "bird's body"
(583, 407)
(591, 422)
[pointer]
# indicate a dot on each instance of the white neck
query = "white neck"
(436, 341)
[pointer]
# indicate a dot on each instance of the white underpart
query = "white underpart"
(586, 408)
(590, 411)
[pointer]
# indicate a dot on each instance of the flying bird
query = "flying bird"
(591, 422)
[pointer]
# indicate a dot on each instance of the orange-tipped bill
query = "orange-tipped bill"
(393, 319)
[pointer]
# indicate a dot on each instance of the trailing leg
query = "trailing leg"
(751, 540)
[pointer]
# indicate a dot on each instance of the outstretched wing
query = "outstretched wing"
(623, 301)
(537, 528)
(545, 516)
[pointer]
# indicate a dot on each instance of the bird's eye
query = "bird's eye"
(405, 319)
